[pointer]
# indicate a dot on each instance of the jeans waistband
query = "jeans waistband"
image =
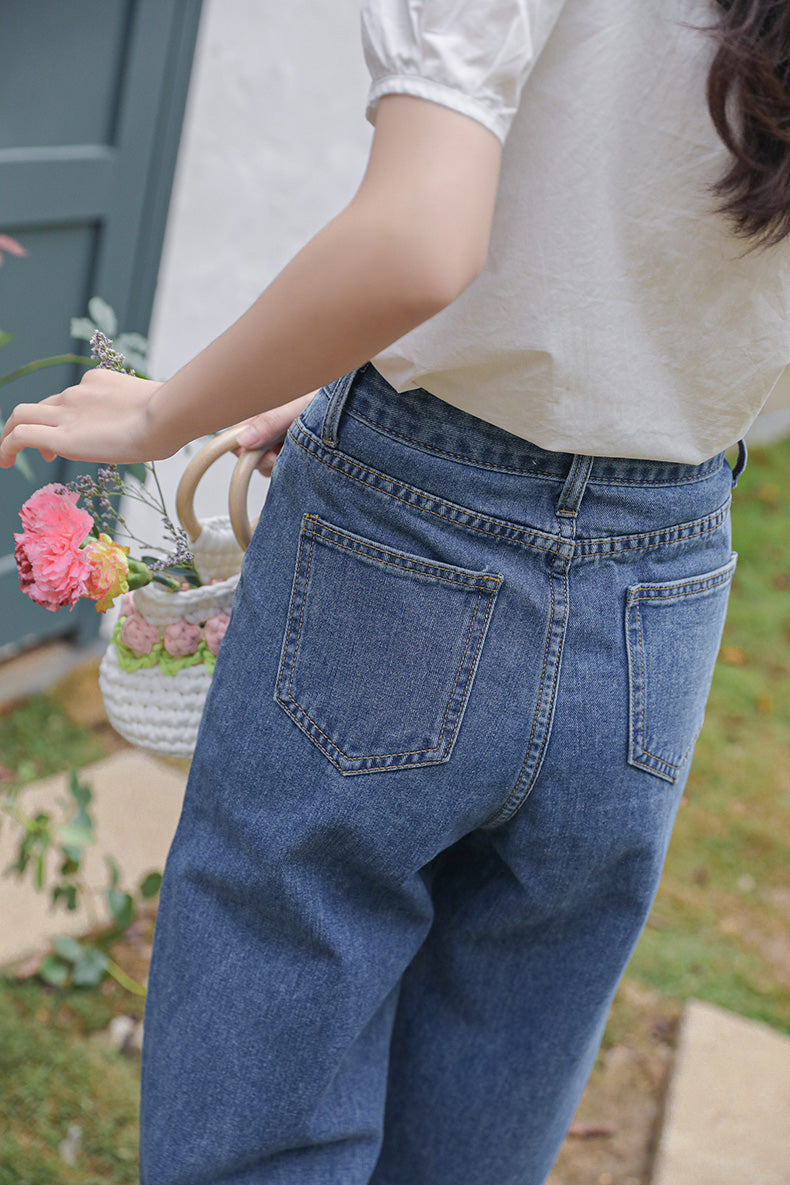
(424, 421)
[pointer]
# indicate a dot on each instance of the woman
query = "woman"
(453, 714)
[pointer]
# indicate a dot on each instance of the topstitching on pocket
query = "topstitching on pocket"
(673, 631)
(380, 649)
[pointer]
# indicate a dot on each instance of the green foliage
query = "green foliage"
(133, 346)
(42, 837)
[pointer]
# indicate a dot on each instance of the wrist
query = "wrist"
(165, 434)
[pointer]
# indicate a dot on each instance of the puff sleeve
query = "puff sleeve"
(473, 56)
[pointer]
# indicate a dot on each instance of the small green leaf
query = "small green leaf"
(150, 885)
(113, 870)
(74, 835)
(81, 793)
(134, 348)
(104, 316)
(66, 893)
(184, 572)
(82, 328)
(54, 971)
(67, 948)
(91, 968)
(121, 907)
(5, 338)
(39, 875)
(138, 471)
(132, 341)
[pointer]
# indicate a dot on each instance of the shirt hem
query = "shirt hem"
(435, 92)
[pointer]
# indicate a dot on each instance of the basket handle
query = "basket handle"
(239, 484)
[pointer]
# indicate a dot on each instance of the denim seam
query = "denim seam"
(284, 656)
(607, 481)
(491, 595)
(301, 615)
(509, 532)
(481, 583)
(593, 548)
(504, 812)
(501, 527)
(688, 589)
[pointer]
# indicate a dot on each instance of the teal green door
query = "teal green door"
(92, 94)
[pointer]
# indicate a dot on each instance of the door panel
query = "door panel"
(92, 95)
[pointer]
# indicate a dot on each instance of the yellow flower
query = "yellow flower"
(109, 569)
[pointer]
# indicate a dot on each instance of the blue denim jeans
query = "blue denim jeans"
(436, 776)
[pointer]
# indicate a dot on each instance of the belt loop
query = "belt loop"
(337, 398)
(740, 464)
(572, 492)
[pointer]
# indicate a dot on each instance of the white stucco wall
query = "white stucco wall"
(274, 144)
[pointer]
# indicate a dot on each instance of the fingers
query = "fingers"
(29, 413)
(270, 427)
(16, 433)
(40, 436)
(266, 463)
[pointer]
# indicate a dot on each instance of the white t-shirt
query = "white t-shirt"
(617, 314)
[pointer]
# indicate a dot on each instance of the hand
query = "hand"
(103, 418)
(269, 429)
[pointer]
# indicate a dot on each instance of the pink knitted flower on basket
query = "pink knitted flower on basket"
(53, 569)
(215, 630)
(181, 638)
(138, 634)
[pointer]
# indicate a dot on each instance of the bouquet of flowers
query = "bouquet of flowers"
(175, 607)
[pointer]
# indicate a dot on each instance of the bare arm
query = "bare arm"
(410, 241)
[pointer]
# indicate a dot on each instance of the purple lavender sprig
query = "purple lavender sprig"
(108, 358)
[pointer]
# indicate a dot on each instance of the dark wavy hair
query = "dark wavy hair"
(748, 95)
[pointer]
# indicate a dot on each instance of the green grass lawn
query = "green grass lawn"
(55, 1074)
(720, 925)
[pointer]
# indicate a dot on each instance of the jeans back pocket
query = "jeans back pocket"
(673, 632)
(380, 650)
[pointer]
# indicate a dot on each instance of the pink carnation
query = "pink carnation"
(138, 634)
(181, 638)
(215, 630)
(53, 568)
(53, 510)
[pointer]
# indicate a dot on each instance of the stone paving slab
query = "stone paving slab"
(727, 1120)
(136, 804)
(38, 669)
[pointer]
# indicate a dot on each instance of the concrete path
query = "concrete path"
(136, 804)
(727, 1120)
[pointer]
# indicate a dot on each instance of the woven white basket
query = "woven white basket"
(150, 708)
